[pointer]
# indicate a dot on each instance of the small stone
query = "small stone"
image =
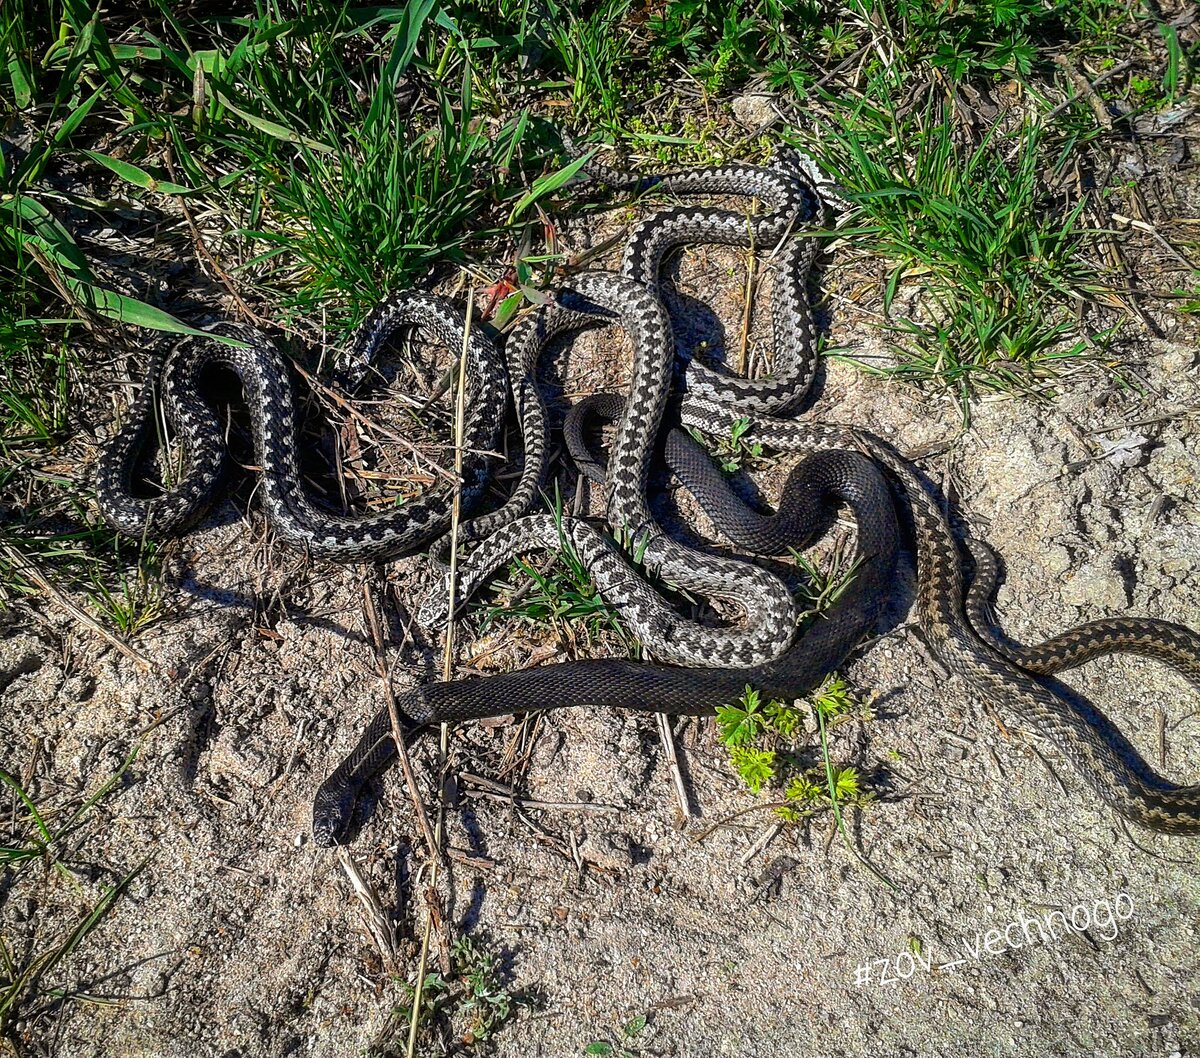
(754, 109)
(1055, 559)
(607, 850)
(1173, 466)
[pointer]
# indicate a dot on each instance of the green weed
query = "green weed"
(999, 271)
(629, 1033)
(593, 48)
(563, 595)
(756, 734)
(39, 835)
(474, 1000)
(733, 451)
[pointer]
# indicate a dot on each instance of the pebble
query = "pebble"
(754, 109)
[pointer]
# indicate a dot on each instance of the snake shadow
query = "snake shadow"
(700, 333)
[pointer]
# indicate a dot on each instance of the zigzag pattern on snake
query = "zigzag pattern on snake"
(955, 627)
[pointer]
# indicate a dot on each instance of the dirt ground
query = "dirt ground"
(240, 938)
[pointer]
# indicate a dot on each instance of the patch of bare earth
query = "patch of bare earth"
(241, 938)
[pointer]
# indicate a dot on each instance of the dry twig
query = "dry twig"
(447, 669)
(28, 570)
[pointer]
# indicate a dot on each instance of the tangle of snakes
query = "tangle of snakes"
(698, 667)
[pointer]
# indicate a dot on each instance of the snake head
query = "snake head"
(434, 611)
(331, 816)
(573, 299)
(324, 836)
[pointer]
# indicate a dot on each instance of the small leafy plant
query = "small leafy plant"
(755, 731)
(473, 998)
(562, 594)
(486, 1002)
(605, 1049)
(732, 452)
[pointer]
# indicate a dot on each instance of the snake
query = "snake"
(297, 519)
(180, 384)
(959, 633)
(847, 469)
(824, 477)
(770, 616)
(769, 625)
(952, 618)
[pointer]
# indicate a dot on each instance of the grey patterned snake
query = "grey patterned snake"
(785, 665)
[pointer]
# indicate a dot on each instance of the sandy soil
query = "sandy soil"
(240, 938)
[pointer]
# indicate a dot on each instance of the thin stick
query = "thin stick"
(1150, 229)
(448, 655)
(1182, 413)
(27, 569)
(331, 394)
(497, 791)
(1085, 91)
(410, 778)
(744, 343)
(668, 742)
(1095, 83)
(735, 815)
(762, 841)
(530, 803)
(376, 918)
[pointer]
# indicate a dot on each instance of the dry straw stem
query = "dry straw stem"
(27, 569)
(491, 790)
(385, 675)
(747, 305)
(668, 742)
(378, 924)
(447, 657)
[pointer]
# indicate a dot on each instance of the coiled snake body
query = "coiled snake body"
(269, 395)
(764, 652)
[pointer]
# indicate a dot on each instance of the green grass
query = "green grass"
(561, 595)
(48, 523)
(37, 836)
(1001, 266)
(357, 188)
(473, 1001)
(25, 994)
(326, 154)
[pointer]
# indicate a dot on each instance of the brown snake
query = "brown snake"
(959, 633)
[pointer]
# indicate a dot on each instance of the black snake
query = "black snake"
(784, 665)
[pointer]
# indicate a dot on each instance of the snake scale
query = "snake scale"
(763, 650)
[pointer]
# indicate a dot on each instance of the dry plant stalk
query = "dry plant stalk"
(27, 569)
(447, 660)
